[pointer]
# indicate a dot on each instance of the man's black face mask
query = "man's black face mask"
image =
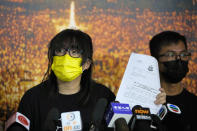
(175, 70)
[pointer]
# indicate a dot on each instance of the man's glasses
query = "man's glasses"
(75, 53)
(174, 56)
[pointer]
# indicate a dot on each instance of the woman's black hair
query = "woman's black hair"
(165, 38)
(71, 38)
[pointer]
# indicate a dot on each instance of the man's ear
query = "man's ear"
(87, 64)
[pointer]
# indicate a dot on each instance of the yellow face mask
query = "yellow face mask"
(67, 68)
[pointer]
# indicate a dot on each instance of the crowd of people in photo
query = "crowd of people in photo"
(25, 37)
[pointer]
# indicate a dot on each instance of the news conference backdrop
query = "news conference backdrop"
(117, 27)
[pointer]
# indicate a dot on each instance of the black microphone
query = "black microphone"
(170, 116)
(16, 127)
(98, 114)
(17, 122)
(51, 120)
(141, 119)
(121, 125)
(169, 110)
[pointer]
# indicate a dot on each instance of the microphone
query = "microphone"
(117, 114)
(168, 110)
(17, 122)
(170, 116)
(98, 114)
(50, 122)
(141, 120)
(121, 125)
(71, 121)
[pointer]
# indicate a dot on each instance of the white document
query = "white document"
(140, 83)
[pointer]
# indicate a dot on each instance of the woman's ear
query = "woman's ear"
(86, 65)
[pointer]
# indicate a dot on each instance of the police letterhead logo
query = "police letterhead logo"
(150, 68)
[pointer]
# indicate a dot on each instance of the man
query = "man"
(170, 49)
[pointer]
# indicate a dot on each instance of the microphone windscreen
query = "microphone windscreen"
(170, 116)
(16, 127)
(99, 110)
(169, 111)
(136, 107)
(141, 120)
(97, 115)
(121, 125)
(52, 116)
(142, 125)
(17, 121)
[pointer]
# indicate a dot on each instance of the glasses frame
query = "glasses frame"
(175, 55)
(70, 51)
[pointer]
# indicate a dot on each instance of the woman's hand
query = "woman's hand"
(161, 97)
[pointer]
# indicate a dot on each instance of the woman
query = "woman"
(67, 85)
